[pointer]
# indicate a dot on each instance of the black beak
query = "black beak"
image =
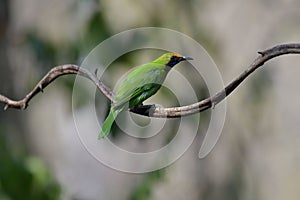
(187, 58)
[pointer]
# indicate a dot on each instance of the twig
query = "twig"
(51, 76)
(153, 111)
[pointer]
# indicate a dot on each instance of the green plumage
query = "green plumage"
(108, 122)
(139, 85)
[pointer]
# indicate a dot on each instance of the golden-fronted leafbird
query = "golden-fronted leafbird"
(139, 85)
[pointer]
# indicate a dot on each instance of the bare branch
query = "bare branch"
(51, 76)
(151, 110)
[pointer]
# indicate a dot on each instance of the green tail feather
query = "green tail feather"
(106, 126)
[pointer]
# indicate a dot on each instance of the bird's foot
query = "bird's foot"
(143, 109)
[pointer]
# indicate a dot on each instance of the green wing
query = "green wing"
(140, 84)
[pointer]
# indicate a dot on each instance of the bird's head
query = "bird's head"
(170, 59)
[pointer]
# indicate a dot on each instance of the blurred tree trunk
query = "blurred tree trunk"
(10, 121)
(4, 20)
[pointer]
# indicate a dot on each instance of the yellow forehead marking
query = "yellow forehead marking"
(177, 55)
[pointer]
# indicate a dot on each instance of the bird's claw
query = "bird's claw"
(144, 109)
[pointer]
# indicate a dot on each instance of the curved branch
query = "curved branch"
(53, 74)
(153, 111)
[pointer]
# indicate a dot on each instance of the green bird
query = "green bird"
(139, 85)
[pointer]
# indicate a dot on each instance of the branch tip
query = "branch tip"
(261, 53)
(41, 88)
(213, 104)
(96, 72)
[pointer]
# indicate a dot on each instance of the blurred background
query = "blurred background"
(258, 154)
